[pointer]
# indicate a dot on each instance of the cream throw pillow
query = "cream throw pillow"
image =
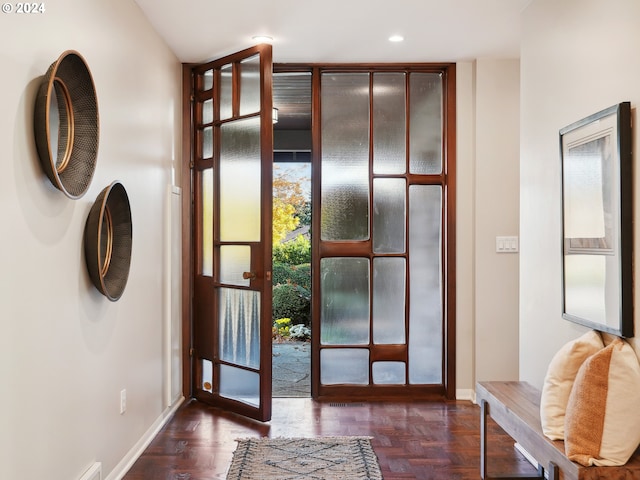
(559, 380)
(602, 423)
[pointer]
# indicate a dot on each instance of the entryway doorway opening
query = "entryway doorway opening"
(291, 346)
(381, 144)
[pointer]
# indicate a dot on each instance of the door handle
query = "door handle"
(249, 275)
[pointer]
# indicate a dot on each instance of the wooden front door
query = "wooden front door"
(232, 151)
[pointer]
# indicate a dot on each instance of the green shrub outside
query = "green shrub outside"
(294, 252)
(292, 281)
(292, 301)
(294, 274)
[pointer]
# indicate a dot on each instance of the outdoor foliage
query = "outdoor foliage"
(284, 220)
(295, 252)
(288, 199)
(294, 274)
(304, 213)
(300, 332)
(282, 329)
(292, 301)
(291, 260)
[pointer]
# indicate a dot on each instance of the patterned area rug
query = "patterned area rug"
(325, 458)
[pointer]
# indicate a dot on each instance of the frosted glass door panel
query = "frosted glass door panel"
(206, 185)
(239, 326)
(389, 300)
(240, 177)
(234, 261)
(207, 80)
(345, 157)
(207, 111)
(207, 375)
(425, 108)
(389, 215)
(425, 271)
(207, 142)
(226, 92)
(334, 360)
(344, 297)
(239, 384)
(389, 123)
(250, 85)
(389, 373)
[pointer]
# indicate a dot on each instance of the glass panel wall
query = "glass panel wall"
(382, 197)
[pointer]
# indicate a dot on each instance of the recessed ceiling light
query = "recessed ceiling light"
(396, 38)
(262, 39)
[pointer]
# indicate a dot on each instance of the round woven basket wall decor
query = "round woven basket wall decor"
(108, 236)
(66, 124)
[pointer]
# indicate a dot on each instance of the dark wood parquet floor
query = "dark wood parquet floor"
(413, 440)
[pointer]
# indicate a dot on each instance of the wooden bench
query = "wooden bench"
(515, 406)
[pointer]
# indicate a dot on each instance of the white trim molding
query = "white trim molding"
(130, 458)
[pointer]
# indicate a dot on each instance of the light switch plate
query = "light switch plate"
(507, 244)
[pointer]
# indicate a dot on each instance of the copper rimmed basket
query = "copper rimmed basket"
(108, 238)
(66, 124)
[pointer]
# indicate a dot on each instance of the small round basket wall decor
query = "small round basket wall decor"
(66, 124)
(108, 236)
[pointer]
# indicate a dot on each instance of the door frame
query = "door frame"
(449, 220)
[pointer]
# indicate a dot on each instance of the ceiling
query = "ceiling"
(331, 31)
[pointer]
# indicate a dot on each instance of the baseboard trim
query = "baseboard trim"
(466, 394)
(130, 458)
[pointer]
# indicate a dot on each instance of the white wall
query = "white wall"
(578, 57)
(465, 229)
(65, 350)
(496, 214)
(487, 206)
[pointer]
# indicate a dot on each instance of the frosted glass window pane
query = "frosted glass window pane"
(345, 157)
(250, 85)
(207, 80)
(388, 300)
(239, 384)
(388, 373)
(207, 222)
(207, 111)
(344, 297)
(389, 123)
(226, 92)
(334, 360)
(240, 175)
(389, 215)
(234, 260)
(239, 326)
(425, 107)
(207, 142)
(207, 376)
(425, 271)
